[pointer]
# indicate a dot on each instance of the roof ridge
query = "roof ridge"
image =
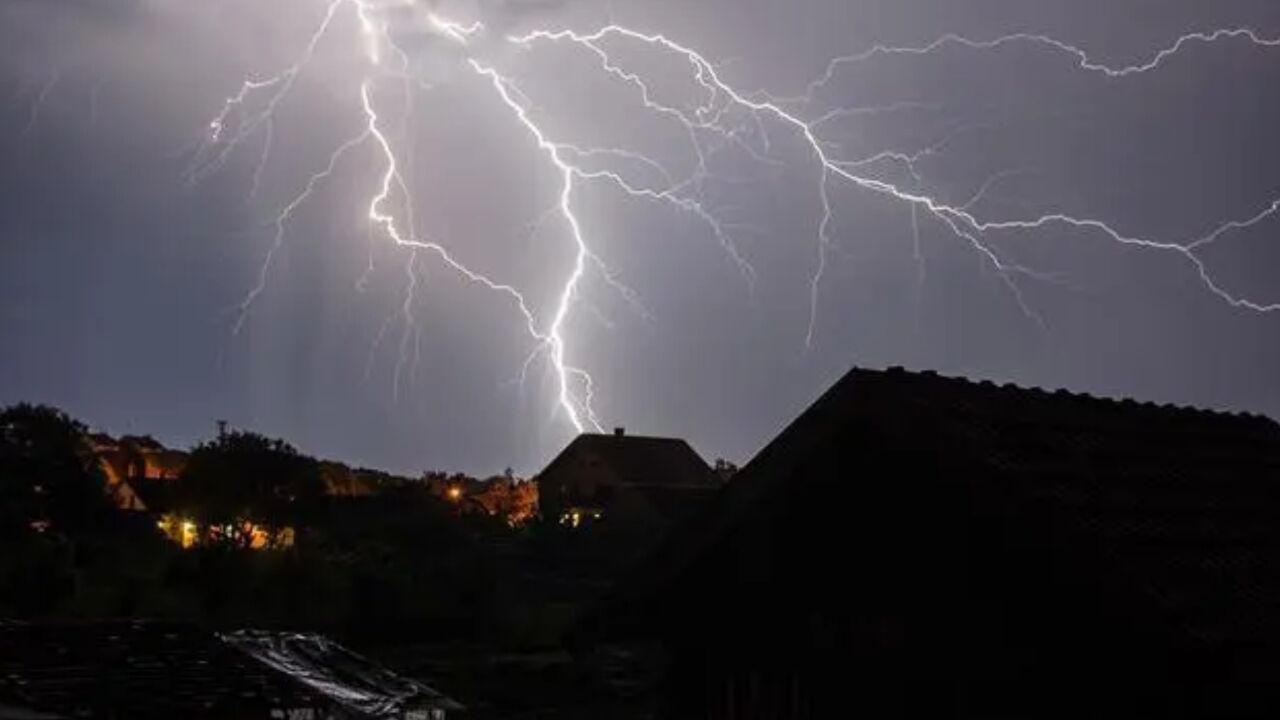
(1010, 389)
(630, 436)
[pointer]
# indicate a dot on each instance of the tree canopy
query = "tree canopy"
(241, 478)
(49, 477)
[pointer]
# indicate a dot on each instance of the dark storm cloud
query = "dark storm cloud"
(95, 8)
(117, 277)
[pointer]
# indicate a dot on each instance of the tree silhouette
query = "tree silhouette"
(49, 478)
(241, 480)
(53, 503)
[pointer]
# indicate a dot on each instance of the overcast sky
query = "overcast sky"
(122, 271)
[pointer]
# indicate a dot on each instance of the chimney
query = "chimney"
(619, 431)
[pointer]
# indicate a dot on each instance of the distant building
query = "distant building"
(918, 546)
(111, 670)
(513, 500)
(130, 461)
(141, 476)
(635, 485)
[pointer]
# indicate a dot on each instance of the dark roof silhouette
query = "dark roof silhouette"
(641, 461)
(1180, 507)
(144, 670)
(140, 669)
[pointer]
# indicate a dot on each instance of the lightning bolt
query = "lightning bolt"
(217, 148)
(1078, 56)
(721, 118)
(957, 219)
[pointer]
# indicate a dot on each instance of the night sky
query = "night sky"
(126, 256)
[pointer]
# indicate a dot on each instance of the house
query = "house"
(146, 670)
(634, 485)
(142, 475)
(131, 461)
(915, 545)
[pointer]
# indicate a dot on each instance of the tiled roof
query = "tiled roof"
(351, 680)
(138, 670)
(167, 670)
(1184, 503)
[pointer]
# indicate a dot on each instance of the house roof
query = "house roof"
(641, 461)
(1183, 501)
(137, 669)
(350, 680)
(158, 669)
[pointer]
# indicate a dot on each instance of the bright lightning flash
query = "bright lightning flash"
(724, 117)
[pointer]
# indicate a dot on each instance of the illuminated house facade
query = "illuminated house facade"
(129, 461)
(919, 546)
(630, 484)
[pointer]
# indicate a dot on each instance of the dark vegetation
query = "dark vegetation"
(397, 570)
(396, 561)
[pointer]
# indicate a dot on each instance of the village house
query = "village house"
(131, 461)
(141, 476)
(634, 485)
(916, 546)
